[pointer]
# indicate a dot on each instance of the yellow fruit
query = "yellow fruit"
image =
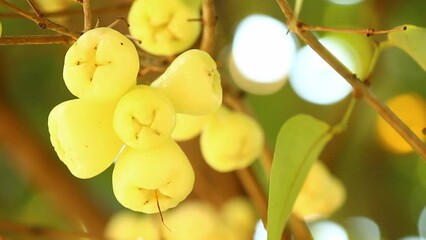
(231, 140)
(411, 108)
(188, 126)
(193, 220)
(144, 117)
(238, 213)
(163, 26)
(143, 177)
(102, 65)
(321, 194)
(127, 225)
(192, 83)
(81, 133)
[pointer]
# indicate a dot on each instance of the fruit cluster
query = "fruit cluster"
(193, 219)
(113, 118)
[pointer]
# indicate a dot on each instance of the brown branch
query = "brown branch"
(35, 8)
(87, 11)
(41, 232)
(209, 26)
(351, 78)
(73, 12)
(36, 40)
(367, 32)
(40, 168)
(41, 21)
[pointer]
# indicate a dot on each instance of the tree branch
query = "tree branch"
(87, 11)
(209, 26)
(351, 78)
(42, 170)
(36, 40)
(41, 21)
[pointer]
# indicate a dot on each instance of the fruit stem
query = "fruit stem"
(159, 209)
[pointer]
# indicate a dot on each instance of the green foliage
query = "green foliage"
(412, 42)
(299, 143)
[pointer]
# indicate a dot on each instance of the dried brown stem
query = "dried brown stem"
(35, 8)
(72, 12)
(40, 168)
(36, 40)
(42, 22)
(351, 78)
(367, 32)
(209, 26)
(35, 232)
(87, 11)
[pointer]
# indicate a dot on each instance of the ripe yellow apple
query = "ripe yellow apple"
(144, 177)
(192, 83)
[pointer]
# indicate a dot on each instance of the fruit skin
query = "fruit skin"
(101, 65)
(411, 109)
(239, 215)
(192, 83)
(163, 26)
(188, 126)
(130, 225)
(81, 133)
(195, 220)
(321, 194)
(231, 141)
(139, 173)
(144, 117)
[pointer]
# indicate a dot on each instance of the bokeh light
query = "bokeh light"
(262, 54)
(411, 108)
(362, 228)
(260, 231)
(327, 230)
(422, 223)
(314, 80)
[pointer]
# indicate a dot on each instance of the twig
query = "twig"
(367, 32)
(40, 168)
(87, 11)
(35, 8)
(41, 232)
(358, 86)
(72, 12)
(36, 40)
(209, 26)
(42, 22)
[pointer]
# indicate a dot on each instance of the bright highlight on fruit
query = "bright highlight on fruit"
(231, 140)
(101, 65)
(411, 108)
(192, 83)
(164, 26)
(143, 178)
(322, 230)
(144, 117)
(321, 194)
(81, 133)
(261, 54)
(1, 29)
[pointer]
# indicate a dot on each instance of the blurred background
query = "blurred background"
(387, 187)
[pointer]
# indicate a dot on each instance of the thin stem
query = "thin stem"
(72, 12)
(36, 40)
(358, 86)
(209, 26)
(42, 22)
(35, 8)
(342, 125)
(367, 32)
(87, 11)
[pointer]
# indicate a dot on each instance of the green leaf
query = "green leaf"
(299, 143)
(412, 41)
